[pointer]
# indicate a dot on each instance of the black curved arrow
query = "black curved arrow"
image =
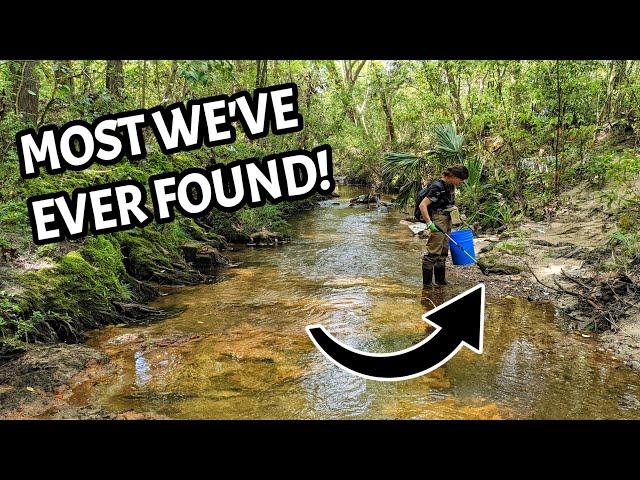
(458, 322)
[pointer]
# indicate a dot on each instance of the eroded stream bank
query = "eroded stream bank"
(239, 348)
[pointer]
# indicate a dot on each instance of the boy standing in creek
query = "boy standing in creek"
(434, 205)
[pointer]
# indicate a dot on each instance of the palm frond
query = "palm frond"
(402, 165)
(408, 192)
(408, 170)
(448, 143)
(475, 166)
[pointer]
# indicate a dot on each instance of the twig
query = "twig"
(622, 300)
(562, 289)
(575, 280)
(593, 304)
(540, 281)
(434, 305)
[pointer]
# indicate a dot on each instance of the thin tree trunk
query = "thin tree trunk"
(87, 84)
(558, 129)
(612, 101)
(156, 77)
(28, 91)
(261, 73)
(346, 84)
(144, 82)
(57, 79)
(114, 79)
(15, 75)
(185, 88)
(388, 114)
(454, 95)
(166, 97)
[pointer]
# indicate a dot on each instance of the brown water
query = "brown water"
(239, 349)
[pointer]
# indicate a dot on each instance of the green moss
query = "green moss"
(59, 302)
(515, 247)
(76, 288)
(268, 216)
(103, 253)
(153, 248)
(496, 265)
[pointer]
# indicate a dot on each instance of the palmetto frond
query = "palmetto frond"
(448, 142)
(402, 165)
(475, 166)
(407, 193)
(408, 170)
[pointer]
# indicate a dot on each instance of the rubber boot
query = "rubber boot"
(440, 272)
(427, 273)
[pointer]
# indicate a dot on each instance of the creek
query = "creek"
(238, 348)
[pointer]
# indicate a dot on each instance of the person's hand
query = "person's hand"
(432, 226)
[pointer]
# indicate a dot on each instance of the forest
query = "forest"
(532, 133)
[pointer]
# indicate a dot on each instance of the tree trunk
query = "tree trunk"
(156, 78)
(144, 82)
(261, 73)
(613, 99)
(558, 131)
(386, 107)
(15, 74)
(87, 85)
(308, 95)
(345, 84)
(166, 97)
(114, 80)
(27, 90)
(454, 95)
(351, 71)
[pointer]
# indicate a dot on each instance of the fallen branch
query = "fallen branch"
(564, 290)
(540, 281)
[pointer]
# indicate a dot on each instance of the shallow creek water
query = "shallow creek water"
(239, 349)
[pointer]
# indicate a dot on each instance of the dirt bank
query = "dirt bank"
(562, 260)
(42, 382)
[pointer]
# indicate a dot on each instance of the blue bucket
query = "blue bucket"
(465, 239)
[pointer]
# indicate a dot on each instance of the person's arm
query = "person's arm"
(425, 214)
(423, 209)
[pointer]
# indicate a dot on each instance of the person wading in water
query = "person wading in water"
(434, 204)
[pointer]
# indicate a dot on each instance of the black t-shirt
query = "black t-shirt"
(441, 194)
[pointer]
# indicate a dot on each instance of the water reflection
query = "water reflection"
(142, 369)
(516, 378)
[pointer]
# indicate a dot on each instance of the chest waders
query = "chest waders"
(434, 259)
